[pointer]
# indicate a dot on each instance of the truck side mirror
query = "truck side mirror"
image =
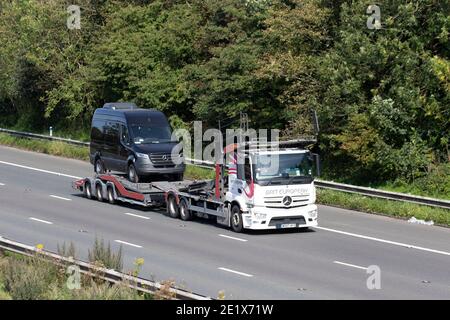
(317, 163)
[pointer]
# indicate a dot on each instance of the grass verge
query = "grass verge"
(39, 277)
(56, 148)
(329, 197)
(397, 209)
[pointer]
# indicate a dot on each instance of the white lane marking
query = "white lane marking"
(136, 215)
(237, 272)
(2, 184)
(128, 244)
(385, 241)
(40, 170)
(350, 265)
(238, 239)
(39, 220)
(61, 198)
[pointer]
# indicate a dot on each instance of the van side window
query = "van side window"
(112, 132)
(97, 130)
(124, 136)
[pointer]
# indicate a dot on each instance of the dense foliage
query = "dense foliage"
(382, 96)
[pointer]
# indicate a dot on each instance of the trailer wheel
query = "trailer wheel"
(236, 219)
(185, 213)
(172, 208)
(88, 190)
(98, 192)
(111, 197)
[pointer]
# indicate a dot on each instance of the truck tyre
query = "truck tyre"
(236, 219)
(132, 173)
(98, 192)
(172, 208)
(185, 213)
(111, 196)
(88, 190)
(99, 168)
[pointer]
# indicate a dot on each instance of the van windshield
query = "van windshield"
(143, 133)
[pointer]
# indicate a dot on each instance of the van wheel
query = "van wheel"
(98, 192)
(99, 168)
(172, 208)
(111, 197)
(132, 174)
(185, 213)
(236, 219)
(88, 190)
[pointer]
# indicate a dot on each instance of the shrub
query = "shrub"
(29, 278)
(66, 251)
(102, 254)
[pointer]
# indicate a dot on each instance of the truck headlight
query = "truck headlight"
(260, 216)
(313, 213)
(142, 155)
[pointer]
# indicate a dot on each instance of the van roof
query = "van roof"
(131, 113)
(120, 106)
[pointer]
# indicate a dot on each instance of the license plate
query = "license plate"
(288, 225)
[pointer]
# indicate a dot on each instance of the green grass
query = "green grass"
(434, 186)
(55, 148)
(397, 209)
(198, 173)
(3, 294)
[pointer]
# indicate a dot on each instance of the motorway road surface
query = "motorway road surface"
(38, 205)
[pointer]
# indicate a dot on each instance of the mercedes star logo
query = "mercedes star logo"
(164, 157)
(287, 201)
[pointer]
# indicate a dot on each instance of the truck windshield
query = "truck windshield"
(295, 166)
(143, 133)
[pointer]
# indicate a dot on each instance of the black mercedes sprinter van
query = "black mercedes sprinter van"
(134, 141)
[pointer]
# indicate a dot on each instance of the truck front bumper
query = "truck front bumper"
(262, 218)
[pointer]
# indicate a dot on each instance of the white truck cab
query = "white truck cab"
(273, 189)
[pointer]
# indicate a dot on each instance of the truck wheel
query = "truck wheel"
(99, 168)
(98, 192)
(172, 208)
(132, 174)
(236, 219)
(111, 197)
(88, 190)
(185, 213)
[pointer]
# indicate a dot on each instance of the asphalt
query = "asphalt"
(324, 263)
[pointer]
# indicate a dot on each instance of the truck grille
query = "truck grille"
(287, 220)
(277, 201)
(162, 159)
